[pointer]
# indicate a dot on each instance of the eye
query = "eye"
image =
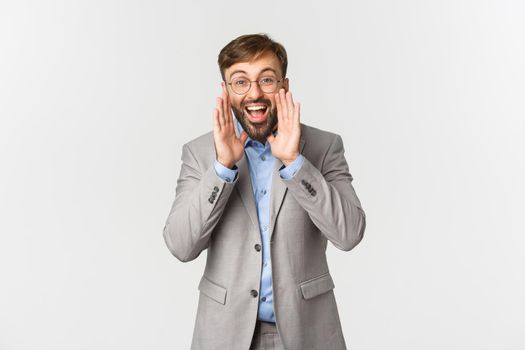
(240, 82)
(267, 81)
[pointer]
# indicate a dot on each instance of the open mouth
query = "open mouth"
(257, 113)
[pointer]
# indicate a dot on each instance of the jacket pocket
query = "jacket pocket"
(213, 290)
(317, 286)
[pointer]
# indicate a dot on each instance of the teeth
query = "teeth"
(255, 108)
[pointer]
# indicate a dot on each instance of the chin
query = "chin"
(258, 131)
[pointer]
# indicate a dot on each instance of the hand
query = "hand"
(285, 146)
(228, 146)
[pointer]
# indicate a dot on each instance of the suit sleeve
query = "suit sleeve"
(329, 197)
(200, 199)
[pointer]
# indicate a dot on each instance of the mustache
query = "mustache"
(259, 100)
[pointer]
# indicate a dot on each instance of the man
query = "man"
(263, 194)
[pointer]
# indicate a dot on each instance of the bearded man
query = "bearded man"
(263, 194)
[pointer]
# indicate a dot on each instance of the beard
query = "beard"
(257, 131)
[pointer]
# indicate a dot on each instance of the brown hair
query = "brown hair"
(248, 48)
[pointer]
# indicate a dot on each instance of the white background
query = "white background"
(98, 97)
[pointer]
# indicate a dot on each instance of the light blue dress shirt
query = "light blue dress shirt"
(261, 164)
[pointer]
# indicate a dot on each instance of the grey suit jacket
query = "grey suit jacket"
(318, 204)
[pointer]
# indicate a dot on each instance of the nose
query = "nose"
(255, 91)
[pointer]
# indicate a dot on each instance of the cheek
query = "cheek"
(235, 102)
(272, 100)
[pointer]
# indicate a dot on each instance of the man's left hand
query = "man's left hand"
(285, 146)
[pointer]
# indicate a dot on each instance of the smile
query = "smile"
(256, 108)
(257, 113)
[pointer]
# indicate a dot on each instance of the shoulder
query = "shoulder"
(202, 143)
(200, 150)
(320, 146)
(322, 139)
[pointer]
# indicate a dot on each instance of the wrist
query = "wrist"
(289, 160)
(227, 164)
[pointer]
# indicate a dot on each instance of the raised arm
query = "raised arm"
(201, 193)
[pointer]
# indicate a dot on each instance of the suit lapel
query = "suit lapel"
(244, 187)
(278, 191)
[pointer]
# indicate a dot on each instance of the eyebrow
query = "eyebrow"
(262, 71)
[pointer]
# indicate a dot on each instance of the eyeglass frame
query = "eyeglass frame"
(250, 86)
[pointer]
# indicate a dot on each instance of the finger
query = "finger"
(221, 112)
(284, 103)
(297, 110)
(297, 113)
(229, 114)
(284, 108)
(289, 104)
(226, 106)
(270, 138)
(216, 123)
(279, 106)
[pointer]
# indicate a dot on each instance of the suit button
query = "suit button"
(254, 293)
(313, 193)
(216, 189)
(257, 247)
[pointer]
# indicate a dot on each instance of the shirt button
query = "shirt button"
(263, 158)
(228, 179)
(265, 228)
(254, 293)
(257, 247)
(263, 299)
(263, 191)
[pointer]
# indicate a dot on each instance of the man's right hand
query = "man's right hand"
(228, 146)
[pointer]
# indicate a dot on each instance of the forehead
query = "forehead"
(268, 62)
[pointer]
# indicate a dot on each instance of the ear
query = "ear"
(224, 88)
(285, 84)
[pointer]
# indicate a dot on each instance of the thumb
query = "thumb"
(243, 137)
(270, 138)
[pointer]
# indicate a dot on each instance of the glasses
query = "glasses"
(242, 85)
